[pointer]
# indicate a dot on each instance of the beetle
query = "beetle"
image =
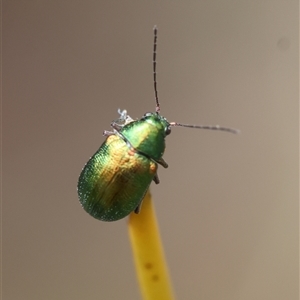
(114, 181)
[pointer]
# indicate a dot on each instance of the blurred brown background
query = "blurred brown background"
(227, 206)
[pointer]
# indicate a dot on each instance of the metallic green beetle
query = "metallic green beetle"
(114, 181)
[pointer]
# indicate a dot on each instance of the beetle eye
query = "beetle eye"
(168, 130)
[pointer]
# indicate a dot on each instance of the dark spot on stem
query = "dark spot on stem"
(148, 266)
(155, 278)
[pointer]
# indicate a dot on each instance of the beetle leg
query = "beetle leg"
(118, 125)
(162, 162)
(156, 179)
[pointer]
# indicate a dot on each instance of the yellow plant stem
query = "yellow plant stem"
(148, 253)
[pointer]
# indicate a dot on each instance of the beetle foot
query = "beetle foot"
(108, 133)
(122, 113)
(123, 120)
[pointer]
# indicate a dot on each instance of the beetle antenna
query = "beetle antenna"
(154, 69)
(211, 127)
